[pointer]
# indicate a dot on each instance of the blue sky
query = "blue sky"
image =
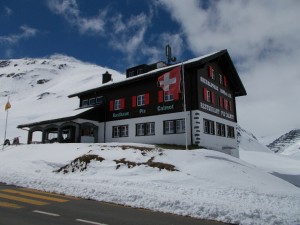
(117, 34)
(262, 37)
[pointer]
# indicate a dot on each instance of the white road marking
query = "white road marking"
(45, 213)
(90, 222)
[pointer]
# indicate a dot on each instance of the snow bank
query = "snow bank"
(208, 185)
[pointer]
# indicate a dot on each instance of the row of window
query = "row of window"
(209, 96)
(148, 129)
(92, 101)
(209, 128)
(142, 100)
(222, 79)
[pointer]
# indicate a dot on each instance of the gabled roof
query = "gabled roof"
(222, 57)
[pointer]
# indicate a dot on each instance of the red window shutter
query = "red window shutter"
(213, 97)
(225, 104)
(225, 81)
(122, 103)
(230, 106)
(205, 94)
(133, 103)
(160, 96)
(111, 105)
(221, 101)
(147, 99)
(176, 96)
(210, 71)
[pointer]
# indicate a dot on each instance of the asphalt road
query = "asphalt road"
(21, 206)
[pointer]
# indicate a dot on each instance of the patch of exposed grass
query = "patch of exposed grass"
(79, 164)
(150, 163)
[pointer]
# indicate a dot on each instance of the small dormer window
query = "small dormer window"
(92, 101)
(98, 100)
(140, 71)
(131, 74)
(85, 103)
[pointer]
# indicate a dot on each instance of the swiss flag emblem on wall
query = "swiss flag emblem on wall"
(170, 81)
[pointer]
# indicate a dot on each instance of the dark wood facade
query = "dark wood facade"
(198, 82)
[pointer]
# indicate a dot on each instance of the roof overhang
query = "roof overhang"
(68, 116)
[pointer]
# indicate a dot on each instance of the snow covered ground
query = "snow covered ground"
(208, 184)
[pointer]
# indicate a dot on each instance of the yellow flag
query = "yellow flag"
(7, 106)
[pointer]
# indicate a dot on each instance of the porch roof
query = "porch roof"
(58, 117)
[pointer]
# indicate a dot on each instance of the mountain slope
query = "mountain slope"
(37, 87)
(285, 141)
(248, 142)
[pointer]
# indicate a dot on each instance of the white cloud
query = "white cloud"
(175, 41)
(27, 32)
(70, 11)
(263, 39)
(8, 11)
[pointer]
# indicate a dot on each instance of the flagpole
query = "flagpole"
(5, 126)
(184, 107)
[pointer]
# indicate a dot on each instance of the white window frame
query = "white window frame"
(117, 104)
(140, 100)
(168, 97)
(208, 94)
(140, 129)
(85, 103)
(120, 131)
(169, 127)
(92, 101)
(150, 128)
(98, 100)
(180, 126)
(124, 131)
(230, 132)
(116, 132)
(209, 126)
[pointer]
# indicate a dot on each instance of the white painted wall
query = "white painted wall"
(159, 137)
(214, 142)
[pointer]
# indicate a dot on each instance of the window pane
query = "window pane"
(169, 127)
(117, 104)
(85, 103)
(168, 97)
(180, 126)
(98, 100)
(150, 128)
(92, 101)
(140, 100)
(140, 129)
(124, 131)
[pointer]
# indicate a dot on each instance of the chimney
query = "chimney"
(106, 77)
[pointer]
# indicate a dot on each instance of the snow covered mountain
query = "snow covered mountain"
(37, 87)
(287, 144)
(248, 142)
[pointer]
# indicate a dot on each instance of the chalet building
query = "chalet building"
(148, 107)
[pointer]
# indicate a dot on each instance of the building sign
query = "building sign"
(216, 111)
(120, 114)
(225, 93)
(209, 84)
(165, 108)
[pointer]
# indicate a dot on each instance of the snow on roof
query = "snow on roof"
(56, 116)
(150, 72)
